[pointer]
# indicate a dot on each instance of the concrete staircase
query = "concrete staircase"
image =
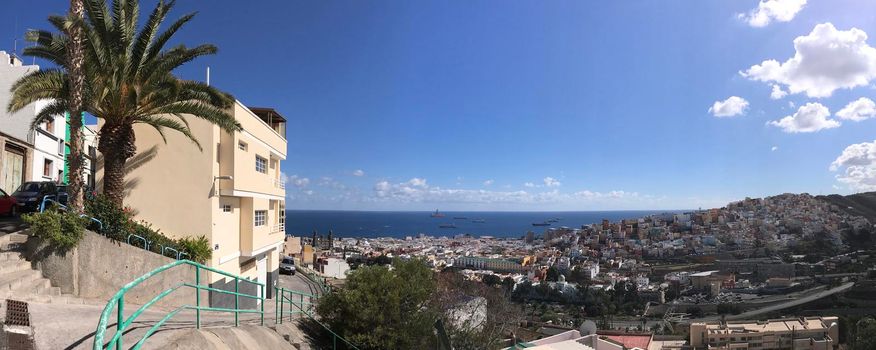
(21, 282)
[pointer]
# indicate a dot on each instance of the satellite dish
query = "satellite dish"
(588, 327)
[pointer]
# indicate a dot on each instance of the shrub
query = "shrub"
(116, 221)
(197, 248)
(63, 230)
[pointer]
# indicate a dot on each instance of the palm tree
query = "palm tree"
(129, 80)
(76, 57)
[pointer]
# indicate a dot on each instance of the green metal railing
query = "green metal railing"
(303, 302)
(296, 299)
(321, 282)
(118, 302)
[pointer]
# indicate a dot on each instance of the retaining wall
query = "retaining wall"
(99, 267)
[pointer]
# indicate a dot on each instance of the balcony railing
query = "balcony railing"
(278, 228)
(279, 183)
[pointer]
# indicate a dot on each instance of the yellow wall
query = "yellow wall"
(177, 202)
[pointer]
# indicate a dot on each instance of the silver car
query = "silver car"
(287, 266)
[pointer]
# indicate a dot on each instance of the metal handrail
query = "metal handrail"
(282, 292)
(119, 299)
(321, 282)
(47, 199)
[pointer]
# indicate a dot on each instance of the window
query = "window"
(50, 125)
(260, 218)
(241, 145)
(226, 208)
(47, 168)
(261, 165)
(60, 146)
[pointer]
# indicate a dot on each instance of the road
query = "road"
(299, 283)
(780, 306)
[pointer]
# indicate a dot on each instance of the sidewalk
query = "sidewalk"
(61, 326)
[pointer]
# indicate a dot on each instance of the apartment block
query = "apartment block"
(231, 191)
(16, 139)
(807, 333)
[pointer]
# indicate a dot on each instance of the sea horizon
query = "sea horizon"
(403, 223)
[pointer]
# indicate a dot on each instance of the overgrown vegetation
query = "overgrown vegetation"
(198, 248)
(62, 230)
(382, 307)
(118, 223)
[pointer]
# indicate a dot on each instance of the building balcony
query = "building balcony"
(278, 228)
(279, 183)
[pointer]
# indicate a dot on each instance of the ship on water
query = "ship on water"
(479, 221)
(447, 226)
(437, 214)
(541, 223)
(460, 218)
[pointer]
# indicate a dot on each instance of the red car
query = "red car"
(8, 204)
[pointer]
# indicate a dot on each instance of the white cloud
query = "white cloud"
(417, 182)
(528, 184)
(825, 60)
(488, 182)
(777, 92)
(732, 106)
(858, 110)
(295, 180)
(774, 148)
(769, 10)
(857, 164)
(810, 117)
(358, 172)
(417, 190)
(551, 182)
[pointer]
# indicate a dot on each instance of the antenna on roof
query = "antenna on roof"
(208, 75)
(15, 37)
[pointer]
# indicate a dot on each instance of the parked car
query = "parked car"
(62, 194)
(287, 266)
(8, 204)
(30, 194)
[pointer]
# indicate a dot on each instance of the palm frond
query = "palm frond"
(160, 123)
(44, 84)
(212, 114)
(55, 108)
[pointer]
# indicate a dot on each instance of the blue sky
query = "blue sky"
(562, 105)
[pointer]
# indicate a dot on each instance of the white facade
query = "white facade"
(16, 124)
(89, 148)
(49, 148)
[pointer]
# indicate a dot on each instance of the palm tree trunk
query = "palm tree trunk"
(75, 54)
(116, 143)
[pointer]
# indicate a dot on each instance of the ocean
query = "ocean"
(370, 224)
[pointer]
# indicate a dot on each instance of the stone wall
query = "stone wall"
(99, 267)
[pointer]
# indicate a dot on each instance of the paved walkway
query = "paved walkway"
(61, 326)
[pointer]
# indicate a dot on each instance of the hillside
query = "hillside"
(861, 204)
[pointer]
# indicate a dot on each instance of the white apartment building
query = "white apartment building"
(49, 148)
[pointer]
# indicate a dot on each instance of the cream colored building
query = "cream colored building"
(231, 191)
(809, 333)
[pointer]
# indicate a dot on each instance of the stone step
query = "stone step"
(11, 281)
(10, 256)
(13, 238)
(48, 289)
(10, 266)
(33, 286)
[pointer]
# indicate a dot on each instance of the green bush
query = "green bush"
(62, 230)
(117, 223)
(197, 248)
